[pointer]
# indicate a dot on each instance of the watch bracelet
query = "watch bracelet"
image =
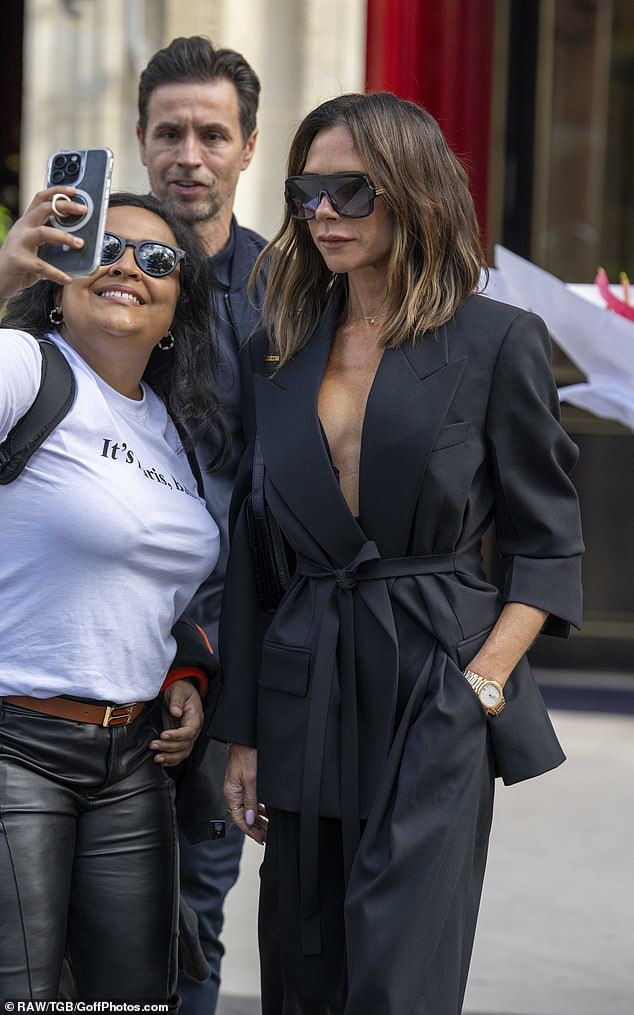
(476, 680)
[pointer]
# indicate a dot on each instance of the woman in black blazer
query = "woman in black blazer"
(404, 416)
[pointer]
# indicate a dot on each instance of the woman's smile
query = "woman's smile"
(121, 294)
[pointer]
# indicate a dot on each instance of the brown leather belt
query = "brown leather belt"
(79, 711)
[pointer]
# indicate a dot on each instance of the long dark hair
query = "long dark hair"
(436, 256)
(183, 377)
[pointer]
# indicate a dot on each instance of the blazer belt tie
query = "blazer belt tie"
(334, 595)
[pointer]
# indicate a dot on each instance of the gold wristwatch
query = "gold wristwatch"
(488, 692)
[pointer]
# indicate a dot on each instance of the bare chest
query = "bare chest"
(342, 401)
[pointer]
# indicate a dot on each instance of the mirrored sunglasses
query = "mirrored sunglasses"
(350, 194)
(153, 258)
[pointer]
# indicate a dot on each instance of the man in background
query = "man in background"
(197, 133)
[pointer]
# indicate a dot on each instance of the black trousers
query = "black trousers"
(398, 937)
(88, 860)
(292, 983)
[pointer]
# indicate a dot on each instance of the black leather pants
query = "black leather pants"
(88, 860)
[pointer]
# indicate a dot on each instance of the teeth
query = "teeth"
(121, 295)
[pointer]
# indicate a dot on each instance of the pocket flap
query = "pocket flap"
(285, 668)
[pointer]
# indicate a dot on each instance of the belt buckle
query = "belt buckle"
(119, 715)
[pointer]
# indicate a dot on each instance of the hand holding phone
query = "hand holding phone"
(90, 171)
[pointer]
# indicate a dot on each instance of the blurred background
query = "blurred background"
(536, 97)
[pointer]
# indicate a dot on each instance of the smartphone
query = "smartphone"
(90, 171)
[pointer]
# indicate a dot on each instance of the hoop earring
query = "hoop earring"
(56, 316)
(167, 343)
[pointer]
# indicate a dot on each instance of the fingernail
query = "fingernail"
(249, 817)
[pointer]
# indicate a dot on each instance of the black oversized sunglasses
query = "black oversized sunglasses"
(153, 258)
(350, 194)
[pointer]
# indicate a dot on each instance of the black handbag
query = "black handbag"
(271, 553)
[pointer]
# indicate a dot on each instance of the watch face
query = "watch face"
(490, 695)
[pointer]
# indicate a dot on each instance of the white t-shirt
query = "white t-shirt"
(104, 539)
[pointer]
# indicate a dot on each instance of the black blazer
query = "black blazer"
(461, 430)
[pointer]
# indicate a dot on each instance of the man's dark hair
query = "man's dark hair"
(195, 59)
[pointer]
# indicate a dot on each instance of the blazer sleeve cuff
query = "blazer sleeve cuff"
(552, 584)
(229, 733)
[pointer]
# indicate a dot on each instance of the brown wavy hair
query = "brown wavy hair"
(436, 257)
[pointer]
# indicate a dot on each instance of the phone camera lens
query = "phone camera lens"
(57, 176)
(72, 168)
(59, 161)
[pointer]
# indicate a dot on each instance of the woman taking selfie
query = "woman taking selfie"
(105, 540)
(371, 710)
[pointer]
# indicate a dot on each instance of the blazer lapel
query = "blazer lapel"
(299, 465)
(411, 395)
(408, 402)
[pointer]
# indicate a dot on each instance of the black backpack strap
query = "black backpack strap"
(192, 458)
(52, 402)
(194, 465)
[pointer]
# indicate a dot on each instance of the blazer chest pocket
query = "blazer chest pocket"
(449, 436)
(285, 668)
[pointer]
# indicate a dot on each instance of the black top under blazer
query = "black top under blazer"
(461, 431)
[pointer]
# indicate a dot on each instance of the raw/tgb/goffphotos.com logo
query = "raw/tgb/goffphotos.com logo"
(84, 1006)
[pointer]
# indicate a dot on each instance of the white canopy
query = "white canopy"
(599, 341)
